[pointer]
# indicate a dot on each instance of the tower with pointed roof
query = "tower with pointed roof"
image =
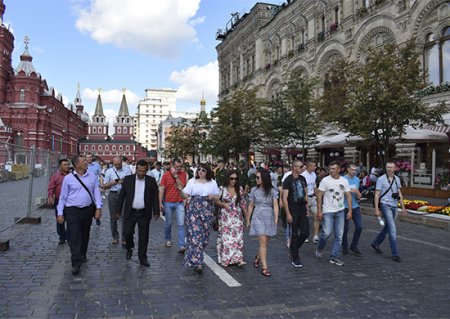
(98, 128)
(123, 125)
(6, 50)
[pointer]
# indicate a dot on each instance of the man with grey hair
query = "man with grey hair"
(113, 181)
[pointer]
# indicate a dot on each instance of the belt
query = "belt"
(113, 191)
(137, 210)
(311, 196)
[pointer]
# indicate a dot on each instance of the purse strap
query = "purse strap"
(84, 186)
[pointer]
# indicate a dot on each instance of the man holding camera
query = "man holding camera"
(387, 195)
(113, 181)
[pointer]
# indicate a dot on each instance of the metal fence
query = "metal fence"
(24, 176)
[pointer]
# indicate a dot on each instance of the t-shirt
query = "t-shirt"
(172, 193)
(196, 188)
(333, 193)
(383, 185)
(297, 191)
(354, 183)
(310, 181)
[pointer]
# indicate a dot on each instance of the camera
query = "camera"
(395, 196)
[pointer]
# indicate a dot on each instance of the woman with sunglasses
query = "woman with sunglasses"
(202, 192)
(264, 200)
(230, 238)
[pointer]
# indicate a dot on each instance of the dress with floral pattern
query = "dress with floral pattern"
(199, 216)
(230, 239)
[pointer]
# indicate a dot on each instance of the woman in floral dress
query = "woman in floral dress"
(230, 239)
(202, 191)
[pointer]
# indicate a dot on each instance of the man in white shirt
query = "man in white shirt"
(156, 173)
(331, 209)
(310, 175)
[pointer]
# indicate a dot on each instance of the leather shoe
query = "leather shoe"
(129, 254)
(377, 249)
(75, 270)
(145, 263)
(396, 259)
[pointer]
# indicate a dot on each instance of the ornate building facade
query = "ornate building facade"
(261, 48)
(30, 112)
(120, 143)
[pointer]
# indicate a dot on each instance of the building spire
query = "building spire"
(78, 97)
(99, 106)
(203, 103)
(26, 59)
(123, 111)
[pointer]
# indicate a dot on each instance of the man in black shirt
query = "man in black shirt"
(295, 202)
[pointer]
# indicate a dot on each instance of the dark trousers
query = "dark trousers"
(300, 228)
(357, 220)
(79, 222)
(60, 228)
(143, 222)
(112, 203)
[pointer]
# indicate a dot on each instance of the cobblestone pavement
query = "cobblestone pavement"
(36, 282)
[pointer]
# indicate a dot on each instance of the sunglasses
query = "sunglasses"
(258, 177)
(233, 178)
(202, 170)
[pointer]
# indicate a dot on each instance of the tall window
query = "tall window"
(336, 15)
(366, 3)
(22, 95)
(437, 57)
(323, 23)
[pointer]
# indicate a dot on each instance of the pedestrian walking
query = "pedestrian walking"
(54, 191)
(263, 209)
(310, 176)
(220, 172)
(353, 181)
(95, 168)
(171, 202)
(201, 192)
(79, 202)
(230, 237)
(140, 193)
(156, 173)
(113, 181)
(330, 210)
(387, 196)
(295, 202)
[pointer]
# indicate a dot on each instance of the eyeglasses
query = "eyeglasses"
(258, 177)
(233, 178)
(200, 169)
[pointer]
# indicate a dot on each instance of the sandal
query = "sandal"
(256, 262)
(241, 264)
(266, 273)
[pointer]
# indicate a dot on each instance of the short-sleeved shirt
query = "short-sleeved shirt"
(297, 191)
(172, 193)
(94, 168)
(196, 188)
(354, 183)
(383, 184)
(333, 193)
(113, 174)
(310, 181)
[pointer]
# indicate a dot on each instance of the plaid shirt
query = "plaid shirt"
(171, 192)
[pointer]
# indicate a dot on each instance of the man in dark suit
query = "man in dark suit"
(140, 193)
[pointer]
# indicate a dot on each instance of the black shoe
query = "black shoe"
(129, 254)
(181, 250)
(83, 259)
(377, 249)
(397, 259)
(356, 251)
(145, 263)
(296, 262)
(199, 270)
(345, 251)
(61, 242)
(75, 270)
(98, 222)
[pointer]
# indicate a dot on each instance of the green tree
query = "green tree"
(293, 118)
(236, 124)
(377, 100)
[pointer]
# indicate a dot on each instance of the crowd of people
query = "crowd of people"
(234, 196)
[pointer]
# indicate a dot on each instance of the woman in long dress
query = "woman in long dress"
(201, 192)
(264, 200)
(230, 239)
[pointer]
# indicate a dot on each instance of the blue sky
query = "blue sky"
(116, 44)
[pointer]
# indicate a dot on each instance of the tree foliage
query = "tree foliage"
(293, 119)
(377, 100)
(236, 124)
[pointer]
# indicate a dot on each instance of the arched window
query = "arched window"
(446, 55)
(106, 148)
(22, 95)
(113, 147)
(94, 130)
(93, 147)
(120, 148)
(431, 57)
(125, 131)
(119, 130)
(99, 147)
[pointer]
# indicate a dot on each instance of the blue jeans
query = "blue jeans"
(356, 216)
(389, 213)
(332, 221)
(169, 210)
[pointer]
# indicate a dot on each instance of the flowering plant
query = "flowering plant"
(403, 166)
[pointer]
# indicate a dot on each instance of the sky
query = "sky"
(114, 45)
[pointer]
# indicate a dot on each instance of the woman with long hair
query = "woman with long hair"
(202, 191)
(264, 205)
(230, 239)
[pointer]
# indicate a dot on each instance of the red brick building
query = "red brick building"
(30, 113)
(120, 143)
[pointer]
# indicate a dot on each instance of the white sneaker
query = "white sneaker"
(306, 240)
(319, 254)
(316, 239)
(288, 243)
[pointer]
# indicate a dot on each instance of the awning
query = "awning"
(421, 136)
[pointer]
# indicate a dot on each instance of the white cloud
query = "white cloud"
(110, 97)
(151, 26)
(196, 80)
